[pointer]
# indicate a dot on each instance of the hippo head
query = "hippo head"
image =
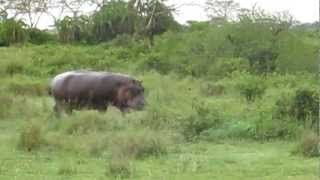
(132, 95)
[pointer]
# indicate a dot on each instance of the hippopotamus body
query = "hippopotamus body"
(95, 90)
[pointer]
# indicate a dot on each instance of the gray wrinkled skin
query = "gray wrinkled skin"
(76, 90)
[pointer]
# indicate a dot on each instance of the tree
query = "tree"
(278, 22)
(74, 6)
(113, 19)
(11, 32)
(154, 17)
(99, 3)
(32, 9)
(55, 6)
(7, 7)
(225, 9)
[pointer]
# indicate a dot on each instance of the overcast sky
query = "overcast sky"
(302, 10)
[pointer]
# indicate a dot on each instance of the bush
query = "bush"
(302, 105)
(223, 67)
(204, 118)
(37, 36)
(297, 55)
(213, 89)
(309, 145)
(12, 32)
(251, 87)
(84, 123)
(263, 61)
(119, 167)
(231, 130)
(265, 127)
(306, 105)
(14, 68)
(37, 89)
(31, 137)
(67, 170)
(7, 102)
(156, 62)
(138, 145)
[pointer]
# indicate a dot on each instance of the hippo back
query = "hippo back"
(95, 89)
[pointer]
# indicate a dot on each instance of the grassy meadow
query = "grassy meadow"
(235, 127)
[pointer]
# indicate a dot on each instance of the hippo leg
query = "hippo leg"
(124, 111)
(102, 109)
(57, 108)
(69, 109)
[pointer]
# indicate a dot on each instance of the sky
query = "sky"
(302, 10)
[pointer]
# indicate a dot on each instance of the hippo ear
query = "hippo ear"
(137, 81)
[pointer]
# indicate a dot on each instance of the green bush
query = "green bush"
(12, 32)
(67, 170)
(302, 105)
(212, 89)
(31, 137)
(156, 62)
(306, 105)
(265, 127)
(138, 145)
(250, 86)
(14, 67)
(86, 122)
(224, 67)
(119, 167)
(309, 145)
(205, 118)
(37, 36)
(7, 101)
(30, 88)
(112, 20)
(296, 54)
(230, 130)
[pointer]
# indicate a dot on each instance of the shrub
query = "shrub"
(156, 62)
(138, 145)
(14, 68)
(204, 118)
(12, 32)
(119, 167)
(263, 61)
(302, 105)
(223, 67)
(265, 127)
(34, 88)
(251, 87)
(309, 145)
(234, 130)
(67, 170)
(31, 137)
(7, 102)
(122, 40)
(84, 123)
(212, 89)
(37, 36)
(306, 105)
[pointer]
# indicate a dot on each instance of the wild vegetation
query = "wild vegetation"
(227, 99)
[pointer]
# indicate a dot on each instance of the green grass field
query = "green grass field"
(228, 160)
(192, 128)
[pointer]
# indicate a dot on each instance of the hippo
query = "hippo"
(82, 89)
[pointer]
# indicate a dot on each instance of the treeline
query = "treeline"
(143, 20)
(256, 42)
